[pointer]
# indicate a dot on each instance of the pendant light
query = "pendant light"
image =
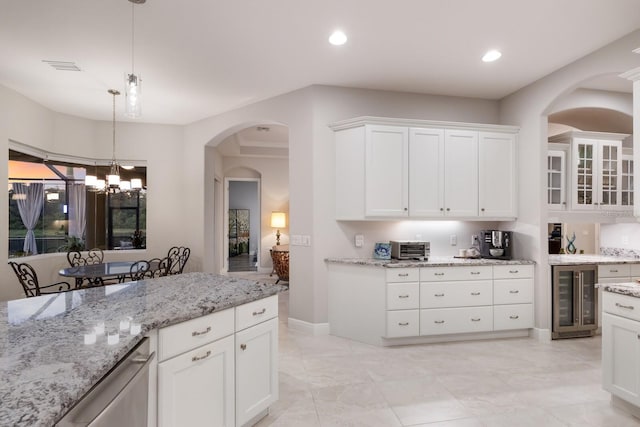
(113, 179)
(133, 82)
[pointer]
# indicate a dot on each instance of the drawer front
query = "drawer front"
(517, 316)
(403, 323)
(445, 274)
(256, 312)
(512, 271)
(403, 296)
(456, 294)
(614, 270)
(440, 321)
(621, 305)
(514, 291)
(635, 270)
(185, 336)
(403, 274)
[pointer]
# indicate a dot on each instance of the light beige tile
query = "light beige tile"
(462, 422)
(594, 414)
(523, 418)
(332, 371)
(356, 397)
(368, 418)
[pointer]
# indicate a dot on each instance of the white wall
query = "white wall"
(625, 236)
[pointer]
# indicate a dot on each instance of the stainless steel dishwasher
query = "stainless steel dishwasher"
(120, 398)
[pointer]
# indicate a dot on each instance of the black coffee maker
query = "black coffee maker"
(495, 244)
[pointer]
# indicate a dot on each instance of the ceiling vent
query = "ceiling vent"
(62, 65)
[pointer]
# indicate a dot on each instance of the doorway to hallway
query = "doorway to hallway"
(243, 237)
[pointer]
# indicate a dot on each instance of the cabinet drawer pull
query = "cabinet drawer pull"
(477, 319)
(613, 271)
(403, 296)
(403, 275)
(438, 274)
(475, 273)
(196, 333)
(257, 313)
(628, 307)
(514, 317)
(438, 295)
(243, 346)
(514, 291)
(196, 358)
(438, 321)
(475, 293)
(513, 271)
(403, 323)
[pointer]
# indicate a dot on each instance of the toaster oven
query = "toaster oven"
(410, 249)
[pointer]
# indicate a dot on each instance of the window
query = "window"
(50, 208)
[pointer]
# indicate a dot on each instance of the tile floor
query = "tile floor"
(330, 381)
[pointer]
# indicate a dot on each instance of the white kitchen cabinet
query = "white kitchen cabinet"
(386, 171)
(626, 189)
(198, 386)
(513, 297)
(394, 168)
(556, 179)
(612, 273)
(497, 181)
(621, 348)
(596, 178)
(256, 370)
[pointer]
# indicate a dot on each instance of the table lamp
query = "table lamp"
(278, 221)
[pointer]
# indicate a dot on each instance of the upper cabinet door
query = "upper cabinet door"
(386, 171)
(461, 173)
(426, 172)
(610, 173)
(497, 176)
(556, 176)
(584, 174)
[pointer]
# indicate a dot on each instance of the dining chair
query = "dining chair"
(158, 267)
(90, 257)
(139, 270)
(29, 281)
(178, 256)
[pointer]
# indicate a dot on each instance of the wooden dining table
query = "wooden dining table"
(97, 273)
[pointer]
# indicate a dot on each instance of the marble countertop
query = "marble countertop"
(45, 366)
(432, 262)
(626, 288)
(590, 259)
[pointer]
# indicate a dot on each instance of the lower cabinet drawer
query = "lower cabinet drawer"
(403, 296)
(256, 312)
(403, 323)
(513, 291)
(515, 316)
(621, 305)
(456, 294)
(440, 321)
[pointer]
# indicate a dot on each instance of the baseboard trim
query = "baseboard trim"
(310, 328)
(472, 336)
(542, 335)
(625, 406)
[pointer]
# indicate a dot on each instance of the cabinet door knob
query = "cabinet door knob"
(448, 209)
(482, 209)
(243, 346)
(406, 209)
(441, 209)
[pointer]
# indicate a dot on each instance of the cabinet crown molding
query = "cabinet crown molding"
(372, 120)
(565, 136)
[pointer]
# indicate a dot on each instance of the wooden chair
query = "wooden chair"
(29, 281)
(90, 257)
(159, 267)
(139, 270)
(178, 256)
(280, 264)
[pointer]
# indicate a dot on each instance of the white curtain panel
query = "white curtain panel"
(77, 210)
(30, 209)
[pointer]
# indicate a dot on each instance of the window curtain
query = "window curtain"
(77, 210)
(30, 208)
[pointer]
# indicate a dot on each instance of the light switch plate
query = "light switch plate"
(359, 240)
(453, 240)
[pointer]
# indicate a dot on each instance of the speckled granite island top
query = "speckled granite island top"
(590, 259)
(432, 262)
(45, 367)
(627, 288)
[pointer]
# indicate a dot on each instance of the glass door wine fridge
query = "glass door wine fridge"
(575, 301)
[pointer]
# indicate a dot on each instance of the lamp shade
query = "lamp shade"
(278, 220)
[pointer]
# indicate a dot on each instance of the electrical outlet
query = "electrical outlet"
(474, 240)
(453, 240)
(359, 240)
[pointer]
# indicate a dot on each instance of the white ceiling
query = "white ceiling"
(199, 58)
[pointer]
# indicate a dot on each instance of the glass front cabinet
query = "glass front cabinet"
(556, 179)
(601, 178)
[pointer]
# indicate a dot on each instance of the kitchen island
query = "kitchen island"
(45, 365)
(392, 302)
(621, 344)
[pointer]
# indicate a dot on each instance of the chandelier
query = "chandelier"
(133, 82)
(112, 183)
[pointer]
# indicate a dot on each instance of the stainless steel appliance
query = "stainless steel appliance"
(410, 249)
(575, 301)
(496, 244)
(120, 398)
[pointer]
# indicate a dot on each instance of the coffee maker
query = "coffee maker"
(495, 244)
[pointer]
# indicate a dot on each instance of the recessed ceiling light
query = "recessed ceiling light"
(338, 38)
(491, 55)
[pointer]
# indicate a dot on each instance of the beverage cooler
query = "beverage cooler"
(575, 301)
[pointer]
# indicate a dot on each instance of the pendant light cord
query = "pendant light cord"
(132, 38)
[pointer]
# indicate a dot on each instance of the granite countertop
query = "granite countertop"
(627, 288)
(591, 259)
(45, 367)
(432, 262)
